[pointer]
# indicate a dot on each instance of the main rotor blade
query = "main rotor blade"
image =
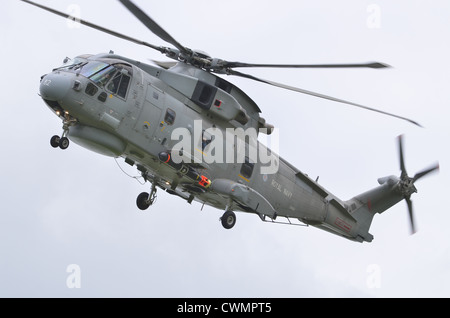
(425, 172)
(153, 26)
(411, 214)
(303, 91)
(364, 65)
(97, 27)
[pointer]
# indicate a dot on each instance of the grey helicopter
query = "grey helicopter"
(193, 134)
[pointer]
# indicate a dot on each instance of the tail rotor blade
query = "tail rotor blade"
(402, 160)
(406, 184)
(411, 215)
(425, 172)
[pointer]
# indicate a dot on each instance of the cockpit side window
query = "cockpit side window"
(123, 87)
(119, 84)
(114, 83)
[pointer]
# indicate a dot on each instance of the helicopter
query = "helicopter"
(194, 135)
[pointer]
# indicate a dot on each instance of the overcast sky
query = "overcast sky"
(75, 207)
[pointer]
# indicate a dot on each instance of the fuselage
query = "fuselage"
(193, 134)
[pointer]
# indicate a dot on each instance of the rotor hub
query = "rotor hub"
(407, 187)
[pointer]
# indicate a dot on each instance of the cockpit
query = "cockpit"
(113, 77)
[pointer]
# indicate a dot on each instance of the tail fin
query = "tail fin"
(364, 206)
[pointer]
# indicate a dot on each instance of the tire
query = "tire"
(228, 219)
(54, 141)
(64, 143)
(141, 201)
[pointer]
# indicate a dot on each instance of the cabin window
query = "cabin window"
(169, 118)
(91, 89)
(247, 168)
(102, 97)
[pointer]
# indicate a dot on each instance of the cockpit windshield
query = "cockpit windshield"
(92, 68)
(114, 78)
(103, 76)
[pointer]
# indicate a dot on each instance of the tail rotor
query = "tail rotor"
(406, 184)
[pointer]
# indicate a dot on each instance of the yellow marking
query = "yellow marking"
(163, 128)
(146, 122)
(239, 175)
(111, 96)
(201, 152)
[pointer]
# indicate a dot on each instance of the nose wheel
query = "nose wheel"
(61, 142)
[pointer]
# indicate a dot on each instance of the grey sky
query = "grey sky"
(76, 207)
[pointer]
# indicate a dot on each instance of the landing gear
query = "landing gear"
(63, 142)
(228, 219)
(145, 200)
(54, 141)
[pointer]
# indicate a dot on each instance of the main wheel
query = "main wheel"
(64, 143)
(142, 201)
(54, 141)
(228, 219)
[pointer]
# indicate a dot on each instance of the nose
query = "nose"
(54, 86)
